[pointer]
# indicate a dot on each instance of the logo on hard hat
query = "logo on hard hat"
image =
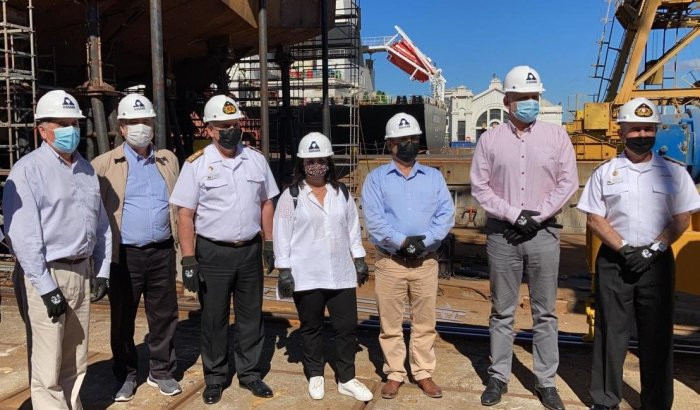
(138, 105)
(229, 108)
(67, 103)
(404, 123)
(531, 78)
(643, 111)
(313, 147)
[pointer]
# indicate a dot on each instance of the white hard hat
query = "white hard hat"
(402, 125)
(57, 104)
(638, 110)
(314, 145)
(523, 79)
(135, 106)
(221, 108)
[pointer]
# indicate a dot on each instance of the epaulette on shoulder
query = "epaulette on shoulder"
(602, 163)
(194, 156)
(675, 161)
(254, 149)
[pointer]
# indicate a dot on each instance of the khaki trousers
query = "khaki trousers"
(58, 347)
(395, 285)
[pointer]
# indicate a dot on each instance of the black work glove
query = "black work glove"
(285, 283)
(413, 246)
(514, 237)
(639, 258)
(55, 303)
(525, 224)
(268, 256)
(99, 288)
(190, 273)
(362, 271)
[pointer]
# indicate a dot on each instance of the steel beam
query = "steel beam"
(158, 78)
(262, 52)
(689, 37)
(324, 60)
(95, 73)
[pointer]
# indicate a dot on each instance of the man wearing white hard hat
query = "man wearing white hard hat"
(408, 211)
(638, 204)
(224, 194)
(59, 232)
(136, 181)
(523, 172)
(319, 254)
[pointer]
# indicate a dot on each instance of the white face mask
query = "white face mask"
(139, 135)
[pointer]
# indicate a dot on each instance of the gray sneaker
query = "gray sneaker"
(126, 391)
(168, 387)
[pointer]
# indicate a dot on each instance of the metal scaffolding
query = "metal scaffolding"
(17, 84)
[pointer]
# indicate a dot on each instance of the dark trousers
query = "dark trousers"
(149, 271)
(342, 307)
(622, 296)
(227, 270)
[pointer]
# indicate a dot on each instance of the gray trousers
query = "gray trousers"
(539, 257)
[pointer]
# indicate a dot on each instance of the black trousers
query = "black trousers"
(227, 270)
(342, 307)
(622, 296)
(149, 272)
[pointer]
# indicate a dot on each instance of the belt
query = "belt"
(69, 261)
(237, 244)
(494, 225)
(166, 244)
(405, 259)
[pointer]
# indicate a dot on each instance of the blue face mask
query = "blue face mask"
(527, 111)
(67, 139)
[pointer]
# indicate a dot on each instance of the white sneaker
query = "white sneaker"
(316, 387)
(355, 389)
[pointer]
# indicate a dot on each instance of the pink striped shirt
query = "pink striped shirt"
(536, 171)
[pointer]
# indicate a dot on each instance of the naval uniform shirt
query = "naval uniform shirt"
(639, 200)
(226, 193)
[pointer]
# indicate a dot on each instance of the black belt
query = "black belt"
(166, 244)
(494, 225)
(69, 261)
(237, 244)
(406, 259)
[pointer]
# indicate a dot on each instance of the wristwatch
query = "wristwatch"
(658, 246)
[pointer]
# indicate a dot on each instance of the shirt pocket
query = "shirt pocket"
(663, 193)
(212, 184)
(615, 194)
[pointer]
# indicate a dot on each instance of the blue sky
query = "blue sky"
(472, 40)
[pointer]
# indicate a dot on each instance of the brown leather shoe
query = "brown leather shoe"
(429, 387)
(391, 389)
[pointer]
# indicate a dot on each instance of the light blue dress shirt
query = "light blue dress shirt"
(52, 211)
(396, 206)
(145, 216)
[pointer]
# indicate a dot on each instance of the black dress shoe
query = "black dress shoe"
(258, 387)
(493, 392)
(212, 394)
(549, 397)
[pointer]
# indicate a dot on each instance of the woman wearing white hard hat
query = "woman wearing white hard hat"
(319, 253)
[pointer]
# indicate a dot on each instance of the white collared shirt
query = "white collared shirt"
(639, 200)
(226, 193)
(318, 242)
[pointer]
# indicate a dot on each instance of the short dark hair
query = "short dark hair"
(299, 174)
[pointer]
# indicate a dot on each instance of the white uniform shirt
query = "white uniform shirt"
(53, 211)
(318, 242)
(639, 200)
(226, 193)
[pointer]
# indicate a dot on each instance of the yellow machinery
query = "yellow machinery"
(594, 131)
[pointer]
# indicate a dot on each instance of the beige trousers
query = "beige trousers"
(58, 347)
(395, 285)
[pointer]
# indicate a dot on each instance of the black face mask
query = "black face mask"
(229, 138)
(407, 151)
(641, 145)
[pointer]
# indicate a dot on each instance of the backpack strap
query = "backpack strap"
(294, 192)
(344, 188)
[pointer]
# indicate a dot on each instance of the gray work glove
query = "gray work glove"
(413, 246)
(99, 288)
(190, 273)
(268, 256)
(285, 283)
(55, 302)
(362, 271)
(525, 224)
